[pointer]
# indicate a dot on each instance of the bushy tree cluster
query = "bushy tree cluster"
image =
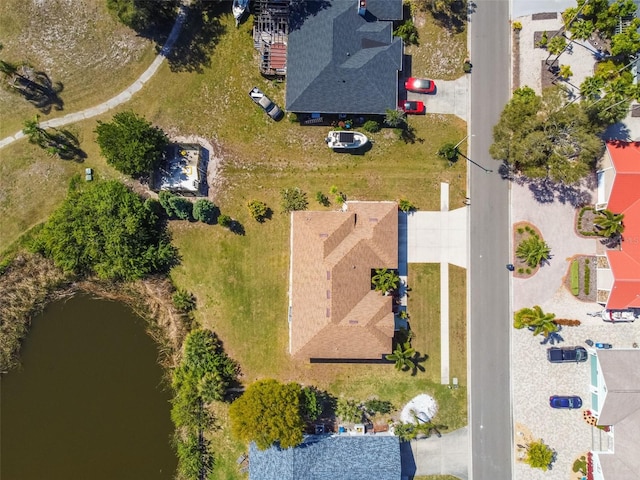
(544, 137)
(103, 228)
(293, 199)
(258, 210)
(131, 144)
(203, 376)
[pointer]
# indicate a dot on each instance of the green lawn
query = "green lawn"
(93, 57)
(241, 281)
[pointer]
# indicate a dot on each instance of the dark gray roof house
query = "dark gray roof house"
(339, 61)
(329, 457)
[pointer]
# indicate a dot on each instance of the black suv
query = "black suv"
(567, 354)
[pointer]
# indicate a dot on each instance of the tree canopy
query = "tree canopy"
(268, 412)
(131, 144)
(544, 137)
(103, 228)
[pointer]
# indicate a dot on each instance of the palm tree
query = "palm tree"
(449, 152)
(582, 29)
(591, 87)
(536, 319)
(609, 224)
(533, 251)
(35, 132)
(385, 280)
(395, 118)
(402, 356)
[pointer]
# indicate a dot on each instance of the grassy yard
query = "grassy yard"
(94, 57)
(241, 281)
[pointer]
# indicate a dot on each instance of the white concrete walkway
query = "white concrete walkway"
(436, 237)
(119, 99)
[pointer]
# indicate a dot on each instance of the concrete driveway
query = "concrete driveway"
(450, 97)
(448, 455)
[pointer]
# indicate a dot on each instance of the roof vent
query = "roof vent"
(362, 7)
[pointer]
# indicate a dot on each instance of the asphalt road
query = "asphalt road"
(489, 299)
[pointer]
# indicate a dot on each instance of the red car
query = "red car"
(420, 85)
(412, 106)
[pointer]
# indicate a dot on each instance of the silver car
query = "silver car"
(266, 103)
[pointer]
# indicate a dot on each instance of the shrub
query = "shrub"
(310, 403)
(405, 205)
(164, 198)
(182, 208)
(293, 199)
(224, 220)
(575, 277)
(539, 455)
(204, 211)
(528, 270)
(543, 40)
(517, 26)
(521, 270)
(567, 322)
(587, 279)
(407, 32)
(371, 126)
(340, 198)
(348, 411)
(184, 301)
(258, 210)
(322, 199)
(520, 230)
(377, 406)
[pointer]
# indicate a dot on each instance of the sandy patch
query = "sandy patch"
(422, 406)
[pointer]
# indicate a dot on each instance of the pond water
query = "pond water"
(88, 401)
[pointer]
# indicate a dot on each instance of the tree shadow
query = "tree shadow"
(299, 10)
(37, 88)
(200, 34)
(236, 227)
(417, 360)
(547, 191)
(152, 19)
(67, 146)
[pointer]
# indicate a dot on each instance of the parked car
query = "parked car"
(412, 106)
(419, 85)
(565, 401)
(266, 103)
(566, 354)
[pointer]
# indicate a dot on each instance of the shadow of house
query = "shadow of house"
(183, 170)
(345, 60)
(334, 313)
(328, 457)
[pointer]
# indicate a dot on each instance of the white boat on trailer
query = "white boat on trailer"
(345, 139)
(238, 9)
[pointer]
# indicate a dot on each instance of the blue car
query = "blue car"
(564, 401)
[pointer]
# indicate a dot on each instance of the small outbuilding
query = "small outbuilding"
(181, 171)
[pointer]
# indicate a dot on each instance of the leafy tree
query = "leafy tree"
(103, 228)
(204, 210)
(449, 152)
(533, 250)
(224, 220)
(293, 199)
(322, 199)
(408, 32)
(395, 118)
(131, 144)
(534, 317)
(545, 137)
(385, 280)
(627, 42)
(348, 410)
(164, 197)
(181, 207)
(609, 224)
(258, 210)
(452, 14)
(406, 205)
(143, 15)
(539, 455)
(268, 412)
(311, 403)
(402, 356)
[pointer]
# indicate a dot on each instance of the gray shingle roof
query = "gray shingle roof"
(326, 457)
(340, 62)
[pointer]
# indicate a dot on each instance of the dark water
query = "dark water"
(88, 402)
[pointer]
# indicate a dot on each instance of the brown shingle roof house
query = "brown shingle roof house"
(333, 312)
